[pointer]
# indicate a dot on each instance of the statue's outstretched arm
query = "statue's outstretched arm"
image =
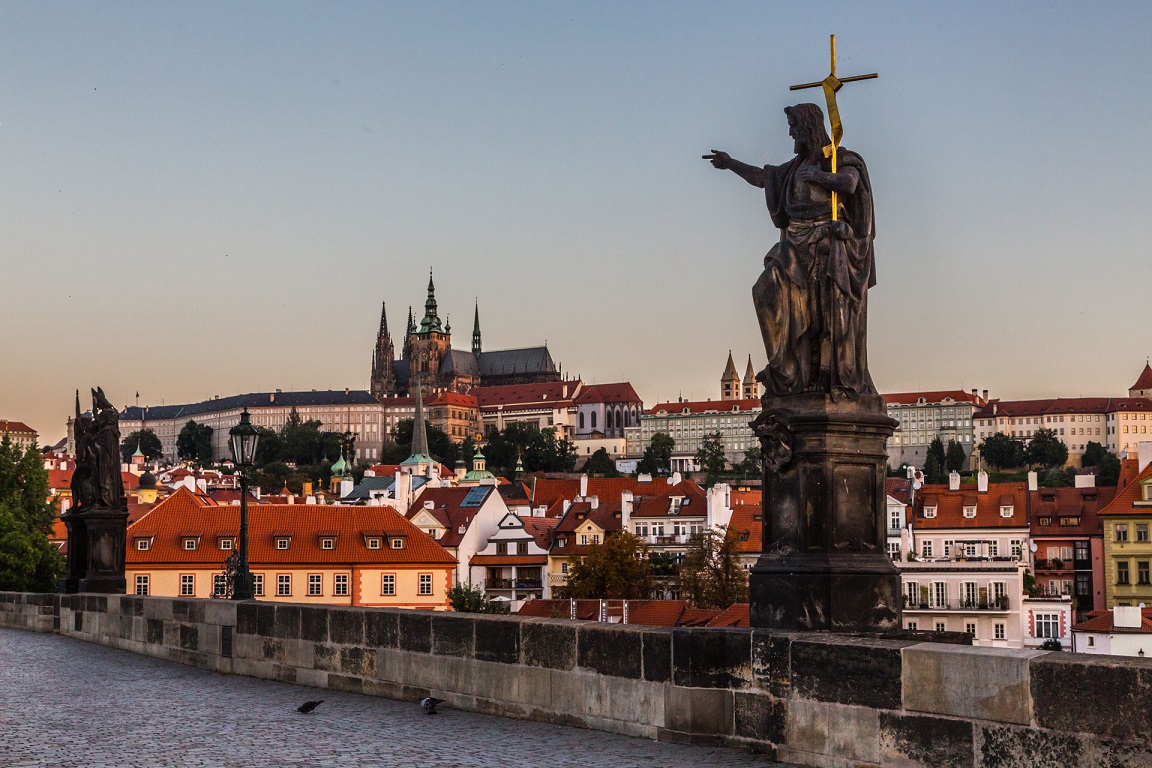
(843, 182)
(752, 174)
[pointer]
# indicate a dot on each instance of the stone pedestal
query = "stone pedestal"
(825, 564)
(96, 551)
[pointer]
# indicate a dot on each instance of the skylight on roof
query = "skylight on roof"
(475, 497)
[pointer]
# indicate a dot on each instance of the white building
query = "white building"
(513, 563)
(688, 423)
(925, 416)
(1123, 631)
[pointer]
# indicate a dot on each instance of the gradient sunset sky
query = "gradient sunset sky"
(213, 198)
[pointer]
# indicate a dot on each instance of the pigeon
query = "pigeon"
(309, 706)
(429, 705)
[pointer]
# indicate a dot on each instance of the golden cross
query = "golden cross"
(831, 85)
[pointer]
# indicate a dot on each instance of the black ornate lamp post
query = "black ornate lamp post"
(243, 439)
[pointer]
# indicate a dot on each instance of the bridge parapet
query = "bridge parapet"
(807, 698)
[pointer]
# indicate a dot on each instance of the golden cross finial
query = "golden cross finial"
(831, 85)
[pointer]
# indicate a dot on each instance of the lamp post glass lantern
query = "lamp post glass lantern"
(243, 440)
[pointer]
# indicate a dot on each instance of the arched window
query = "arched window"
(608, 420)
(593, 419)
(581, 419)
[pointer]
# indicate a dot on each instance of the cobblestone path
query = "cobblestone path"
(64, 702)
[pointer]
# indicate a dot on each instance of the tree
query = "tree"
(440, 445)
(467, 599)
(28, 561)
(617, 569)
(194, 443)
(146, 441)
(1108, 469)
(1058, 478)
(955, 460)
(711, 575)
(1001, 451)
(1093, 453)
(752, 464)
(537, 449)
(1051, 644)
(600, 463)
(936, 448)
(710, 456)
(658, 455)
(1047, 450)
(933, 469)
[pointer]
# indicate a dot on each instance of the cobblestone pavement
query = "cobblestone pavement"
(64, 702)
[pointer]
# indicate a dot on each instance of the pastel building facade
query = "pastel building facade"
(925, 416)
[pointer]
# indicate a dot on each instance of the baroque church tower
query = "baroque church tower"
(730, 381)
(751, 388)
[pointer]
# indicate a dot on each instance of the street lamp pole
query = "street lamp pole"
(244, 438)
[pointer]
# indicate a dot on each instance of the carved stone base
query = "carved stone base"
(97, 565)
(825, 564)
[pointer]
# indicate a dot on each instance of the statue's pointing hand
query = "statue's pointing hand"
(721, 160)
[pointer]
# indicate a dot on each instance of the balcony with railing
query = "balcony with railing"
(1053, 565)
(512, 584)
(557, 579)
(995, 604)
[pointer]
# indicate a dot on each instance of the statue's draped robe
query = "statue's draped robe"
(812, 296)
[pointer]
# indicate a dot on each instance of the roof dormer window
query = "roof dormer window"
(930, 511)
(190, 544)
(970, 511)
(1006, 510)
(397, 542)
(328, 542)
(373, 543)
(143, 545)
(226, 544)
(282, 542)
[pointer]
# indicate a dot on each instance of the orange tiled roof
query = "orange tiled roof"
(187, 515)
(748, 521)
(541, 529)
(950, 506)
(548, 491)
(608, 393)
(936, 396)
(703, 406)
(735, 615)
(447, 510)
(1129, 468)
(657, 503)
(62, 478)
(1057, 503)
(550, 393)
(448, 397)
(1124, 503)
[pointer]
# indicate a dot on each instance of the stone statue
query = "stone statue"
(812, 298)
(98, 520)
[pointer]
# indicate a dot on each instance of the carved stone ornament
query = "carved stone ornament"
(855, 545)
(775, 440)
(779, 547)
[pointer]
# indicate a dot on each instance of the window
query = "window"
(142, 584)
(425, 584)
(521, 547)
(373, 543)
(143, 544)
(315, 584)
(1000, 593)
(1046, 520)
(583, 539)
(1047, 625)
(926, 549)
(970, 628)
(894, 550)
(341, 584)
(219, 585)
(940, 627)
(189, 544)
(595, 538)
(930, 511)
(388, 584)
(282, 543)
(328, 543)
(501, 547)
(562, 542)
(1142, 572)
(940, 594)
(1017, 547)
(1006, 511)
(1083, 585)
(1122, 572)
(1121, 532)
(187, 585)
(968, 594)
(970, 511)
(998, 631)
(1091, 641)
(913, 625)
(1141, 531)
(258, 584)
(564, 567)
(397, 543)
(896, 518)
(284, 585)
(994, 548)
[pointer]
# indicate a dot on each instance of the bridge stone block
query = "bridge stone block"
(963, 681)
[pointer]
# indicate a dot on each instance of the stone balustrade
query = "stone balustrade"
(807, 698)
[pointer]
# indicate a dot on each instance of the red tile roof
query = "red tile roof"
(545, 393)
(736, 615)
(447, 510)
(16, 427)
(652, 613)
(1144, 381)
(608, 393)
(748, 521)
(1056, 503)
(541, 529)
(606, 516)
(455, 398)
(548, 491)
(509, 559)
(185, 515)
(703, 406)
(1102, 621)
(950, 506)
(935, 396)
(657, 501)
(61, 479)
(1124, 503)
(1060, 405)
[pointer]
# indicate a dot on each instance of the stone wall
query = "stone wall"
(808, 699)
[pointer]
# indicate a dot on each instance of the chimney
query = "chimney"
(594, 501)
(953, 481)
(985, 396)
(567, 504)
(1126, 617)
(291, 499)
(1034, 481)
(345, 486)
(429, 505)
(975, 393)
(583, 486)
(625, 508)
(982, 482)
(564, 391)
(309, 500)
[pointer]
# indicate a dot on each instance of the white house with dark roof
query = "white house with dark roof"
(513, 563)
(460, 519)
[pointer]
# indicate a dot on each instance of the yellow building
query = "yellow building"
(299, 553)
(1127, 543)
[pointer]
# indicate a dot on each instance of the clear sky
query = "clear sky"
(214, 198)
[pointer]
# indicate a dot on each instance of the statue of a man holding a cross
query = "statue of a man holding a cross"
(811, 299)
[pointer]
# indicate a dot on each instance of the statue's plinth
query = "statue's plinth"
(825, 564)
(96, 551)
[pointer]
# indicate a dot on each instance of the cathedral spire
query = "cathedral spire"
(476, 330)
(383, 359)
(383, 320)
(431, 321)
